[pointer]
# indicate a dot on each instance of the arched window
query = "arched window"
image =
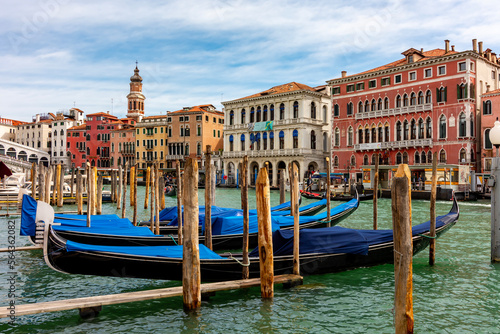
(360, 135)
(386, 133)
(399, 158)
(428, 96)
(374, 134)
(398, 101)
(405, 129)
(429, 157)
(405, 157)
(61, 133)
(398, 131)
(350, 136)
(252, 115)
(487, 107)
(55, 133)
(231, 139)
(271, 112)
(379, 104)
(471, 125)
(462, 125)
(487, 142)
(360, 106)
(325, 114)
(367, 106)
(264, 140)
(336, 141)
(374, 105)
(295, 138)
(264, 113)
(259, 114)
(373, 159)
(231, 117)
(350, 108)
(282, 111)
(421, 129)
(243, 116)
(413, 129)
(336, 111)
(413, 99)
(98, 136)
(463, 155)
(441, 94)
(423, 158)
(442, 127)
(472, 157)
(428, 128)
(198, 149)
(417, 157)
(353, 160)
(313, 140)
(335, 161)
(271, 140)
(380, 133)
(462, 91)
(420, 98)
(405, 100)
(313, 110)
(296, 110)
(367, 134)
(386, 103)
(325, 142)
(242, 140)
(282, 140)
(365, 160)
(442, 156)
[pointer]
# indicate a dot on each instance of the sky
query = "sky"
(60, 54)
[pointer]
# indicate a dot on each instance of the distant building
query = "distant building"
(490, 102)
(286, 123)
(135, 97)
(426, 102)
(77, 145)
(38, 133)
(60, 125)
(151, 141)
(98, 134)
(123, 143)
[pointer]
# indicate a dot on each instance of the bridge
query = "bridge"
(21, 156)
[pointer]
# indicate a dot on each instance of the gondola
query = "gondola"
(311, 195)
(322, 251)
(172, 192)
(227, 229)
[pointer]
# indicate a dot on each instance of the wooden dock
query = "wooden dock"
(95, 303)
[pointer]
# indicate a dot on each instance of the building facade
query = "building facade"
(490, 111)
(38, 133)
(77, 145)
(404, 111)
(151, 141)
(60, 125)
(286, 123)
(123, 143)
(98, 128)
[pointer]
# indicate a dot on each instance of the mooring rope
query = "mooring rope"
(427, 236)
(235, 259)
(170, 235)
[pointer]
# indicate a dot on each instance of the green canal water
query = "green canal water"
(460, 294)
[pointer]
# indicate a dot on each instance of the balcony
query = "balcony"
(394, 111)
(149, 147)
(174, 157)
(303, 120)
(274, 153)
(394, 145)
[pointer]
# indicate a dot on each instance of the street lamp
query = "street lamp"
(495, 194)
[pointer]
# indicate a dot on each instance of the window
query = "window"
(379, 104)
(413, 99)
(428, 97)
(398, 78)
(295, 138)
(282, 111)
(385, 81)
(428, 73)
(462, 91)
(264, 113)
(487, 107)
(386, 103)
(252, 115)
(350, 109)
(413, 129)
(271, 141)
(487, 142)
(373, 105)
(463, 154)
(417, 158)
(462, 125)
(398, 101)
(336, 141)
(313, 140)
(421, 129)
(442, 127)
(360, 86)
(313, 110)
(372, 83)
(442, 70)
(198, 118)
(231, 117)
(215, 119)
(350, 88)
(350, 136)
(282, 140)
(462, 66)
(335, 161)
(412, 76)
(420, 98)
(296, 109)
(242, 116)
(406, 128)
(442, 156)
(271, 112)
(405, 100)
(259, 113)
(441, 94)
(405, 157)
(335, 90)
(336, 112)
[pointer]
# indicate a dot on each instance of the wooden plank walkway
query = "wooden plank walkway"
(98, 301)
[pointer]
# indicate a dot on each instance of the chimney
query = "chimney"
(422, 50)
(474, 45)
(446, 45)
(480, 44)
(37, 118)
(488, 54)
(494, 57)
(453, 48)
(344, 74)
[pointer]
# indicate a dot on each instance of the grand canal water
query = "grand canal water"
(460, 294)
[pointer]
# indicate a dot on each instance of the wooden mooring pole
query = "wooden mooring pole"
(41, 184)
(60, 199)
(124, 204)
(79, 192)
(135, 195)
(162, 191)
(157, 199)
(191, 256)
(403, 250)
(148, 180)
(282, 186)
(48, 178)
(375, 193)
(89, 196)
(432, 231)
(152, 209)
(120, 186)
(55, 180)
(294, 184)
(72, 181)
(132, 180)
(328, 190)
(265, 234)
(208, 197)
(33, 180)
(179, 203)
(244, 207)
(99, 194)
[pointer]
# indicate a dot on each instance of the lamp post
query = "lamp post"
(495, 194)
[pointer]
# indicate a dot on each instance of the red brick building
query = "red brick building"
(426, 102)
(490, 112)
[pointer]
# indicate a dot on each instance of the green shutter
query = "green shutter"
(459, 93)
(438, 98)
(445, 94)
(466, 90)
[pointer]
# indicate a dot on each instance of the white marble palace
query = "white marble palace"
(286, 123)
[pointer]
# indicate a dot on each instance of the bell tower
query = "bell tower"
(135, 97)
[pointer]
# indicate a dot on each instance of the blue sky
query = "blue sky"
(58, 53)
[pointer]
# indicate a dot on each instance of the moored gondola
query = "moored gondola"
(325, 250)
